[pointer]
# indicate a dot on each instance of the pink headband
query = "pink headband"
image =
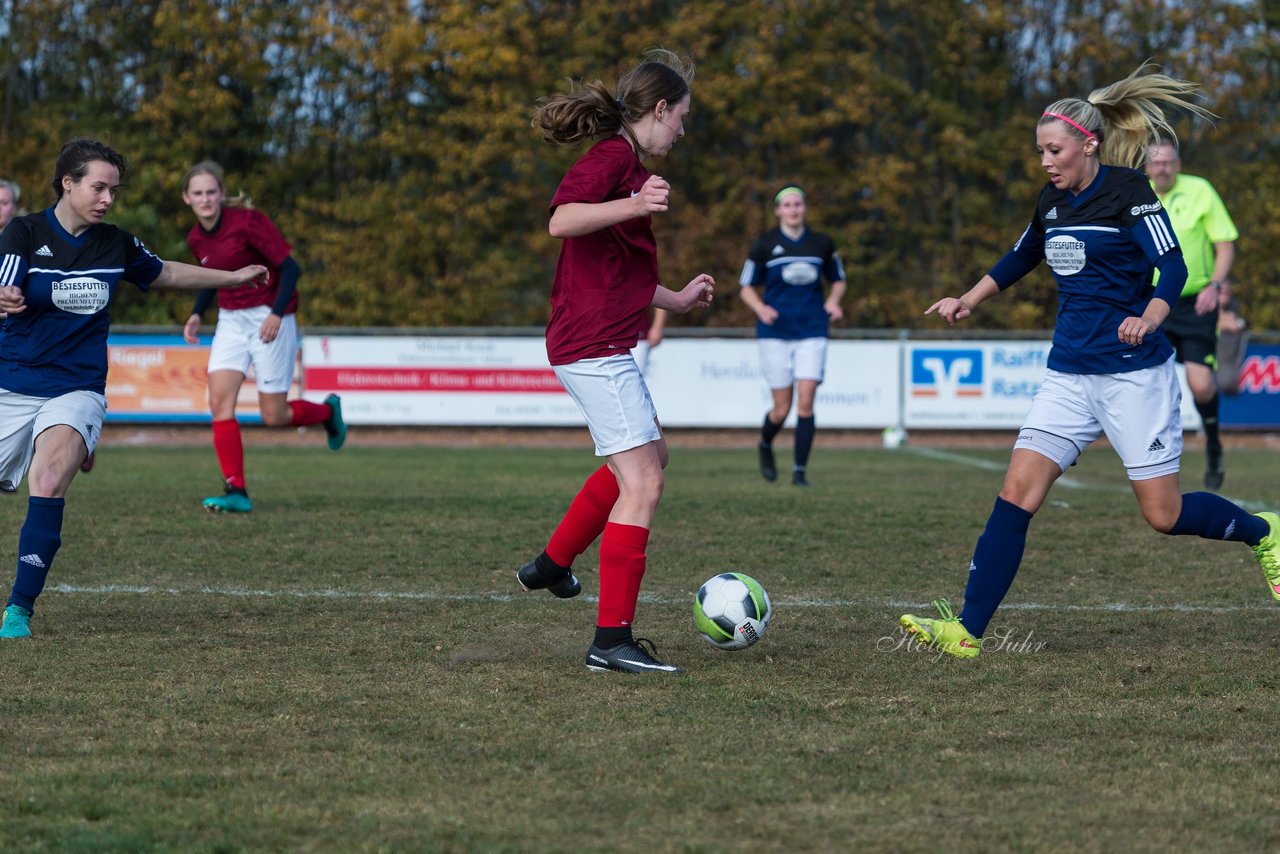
(1075, 125)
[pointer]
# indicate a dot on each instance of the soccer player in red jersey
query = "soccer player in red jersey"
(605, 281)
(256, 327)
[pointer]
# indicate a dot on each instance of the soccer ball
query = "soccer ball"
(731, 610)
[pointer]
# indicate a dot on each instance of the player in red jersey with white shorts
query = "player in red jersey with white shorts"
(256, 327)
(606, 279)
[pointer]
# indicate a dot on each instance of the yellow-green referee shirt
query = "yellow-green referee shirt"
(1200, 219)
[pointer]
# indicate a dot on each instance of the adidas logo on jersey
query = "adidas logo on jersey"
(777, 250)
(1157, 445)
(45, 251)
(33, 559)
(1052, 214)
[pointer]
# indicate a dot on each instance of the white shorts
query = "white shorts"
(783, 362)
(237, 345)
(612, 396)
(1139, 411)
(640, 353)
(23, 418)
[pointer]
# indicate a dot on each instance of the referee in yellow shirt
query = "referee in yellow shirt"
(1207, 235)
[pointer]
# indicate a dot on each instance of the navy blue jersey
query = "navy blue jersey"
(791, 272)
(59, 344)
(1103, 247)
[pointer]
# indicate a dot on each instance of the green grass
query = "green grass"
(351, 668)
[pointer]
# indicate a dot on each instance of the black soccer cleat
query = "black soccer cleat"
(628, 657)
(768, 468)
(542, 573)
(1214, 472)
(798, 479)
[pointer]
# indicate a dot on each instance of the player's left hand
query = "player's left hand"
(1134, 329)
(1206, 300)
(270, 328)
(834, 311)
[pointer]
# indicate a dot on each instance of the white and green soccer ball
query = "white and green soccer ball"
(731, 610)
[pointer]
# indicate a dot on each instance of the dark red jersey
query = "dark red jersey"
(239, 238)
(604, 280)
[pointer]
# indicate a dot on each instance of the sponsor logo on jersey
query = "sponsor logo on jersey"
(1139, 210)
(81, 295)
(1052, 214)
(947, 374)
(1065, 254)
(799, 274)
(45, 251)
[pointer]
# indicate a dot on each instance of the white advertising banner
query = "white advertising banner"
(717, 382)
(982, 384)
(695, 382)
(403, 380)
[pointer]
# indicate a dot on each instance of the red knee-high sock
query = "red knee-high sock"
(305, 412)
(230, 450)
(621, 571)
(585, 518)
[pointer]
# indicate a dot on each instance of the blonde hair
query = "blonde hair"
(590, 110)
(1127, 117)
(213, 170)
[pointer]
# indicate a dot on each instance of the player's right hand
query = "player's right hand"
(654, 196)
(767, 314)
(254, 274)
(12, 300)
(699, 292)
(951, 309)
(190, 330)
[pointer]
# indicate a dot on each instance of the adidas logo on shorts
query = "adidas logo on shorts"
(1157, 445)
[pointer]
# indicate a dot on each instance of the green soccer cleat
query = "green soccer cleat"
(232, 502)
(947, 634)
(17, 622)
(335, 427)
(1268, 552)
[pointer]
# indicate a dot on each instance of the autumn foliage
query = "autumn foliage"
(391, 141)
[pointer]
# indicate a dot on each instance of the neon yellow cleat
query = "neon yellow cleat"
(1268, 552)
(947, 633)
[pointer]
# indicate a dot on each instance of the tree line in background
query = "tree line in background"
(391, 141)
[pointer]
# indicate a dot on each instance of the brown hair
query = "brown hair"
(590, 110)
(75, 157)
(1127, 117)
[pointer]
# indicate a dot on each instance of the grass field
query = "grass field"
(352, 668)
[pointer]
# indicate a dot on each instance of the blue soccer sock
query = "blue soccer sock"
(805, 429)
(37, 544)
(1215, 518)
(995, 562)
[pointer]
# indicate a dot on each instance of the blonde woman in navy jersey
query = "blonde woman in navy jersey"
(256, 327)
(1102, 231)
(793, 322)
(59, 271)
(605, 282)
